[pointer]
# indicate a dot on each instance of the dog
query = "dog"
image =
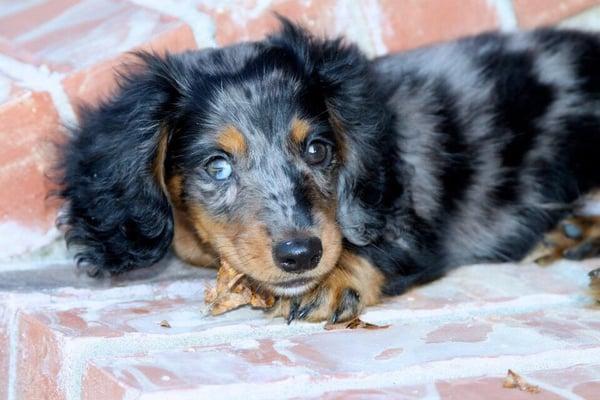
(331, 179)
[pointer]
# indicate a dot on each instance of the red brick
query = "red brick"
(25, 20)
(29, 124)
(8, 89)
(532, 13)
(96, 82)
(520, 307)
(5, 320)
(411, 23)
(100, 384)
(278, 366)
(576, 379)
(588, 390)
(87, 39)
(110, 338)
(68, 35)
(397, 24)
(583, 381)
(472, 389)
(39, 351)
(53, 340)
(404, 392)
(245, 20)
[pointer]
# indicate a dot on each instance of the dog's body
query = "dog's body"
(495, 137)
(330, 179)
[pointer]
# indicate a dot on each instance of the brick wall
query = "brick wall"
(56, 54)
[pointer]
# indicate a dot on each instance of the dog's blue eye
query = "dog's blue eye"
(219, 168)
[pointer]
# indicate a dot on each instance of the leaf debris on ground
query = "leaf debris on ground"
(515, 381)
(165, 324)
(355, 323)
(233, 291)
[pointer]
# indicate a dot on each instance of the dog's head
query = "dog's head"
(260, 147)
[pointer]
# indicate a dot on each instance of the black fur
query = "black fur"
(116, 213)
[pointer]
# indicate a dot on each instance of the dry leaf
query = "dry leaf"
(232, 291)
(515, 381)
(165, 324)
(355, 323)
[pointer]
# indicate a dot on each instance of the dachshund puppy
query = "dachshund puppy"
(331, 179)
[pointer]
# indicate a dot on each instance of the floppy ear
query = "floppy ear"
(116, 211)
(357, 113)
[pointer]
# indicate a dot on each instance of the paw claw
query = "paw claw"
(324, 303)
(294, 306)
(308, 308)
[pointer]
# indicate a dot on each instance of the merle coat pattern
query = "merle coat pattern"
(458, 153)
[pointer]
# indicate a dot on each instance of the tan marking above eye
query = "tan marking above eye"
(232, 141)
(300, 130)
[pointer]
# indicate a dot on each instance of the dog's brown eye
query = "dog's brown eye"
(318, 153)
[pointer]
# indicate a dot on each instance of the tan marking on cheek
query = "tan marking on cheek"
(331, 238)
(232, 141)
(206, 227)
(255, 247)
(186, 244)
(189, 246)
(174, 187)
(300, 130)
(246, 248)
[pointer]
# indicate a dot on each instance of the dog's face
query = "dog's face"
(254, 164)
(268, 150)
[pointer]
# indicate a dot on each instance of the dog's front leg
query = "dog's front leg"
(352, 285)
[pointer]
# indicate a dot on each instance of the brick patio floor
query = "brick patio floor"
(64, 336)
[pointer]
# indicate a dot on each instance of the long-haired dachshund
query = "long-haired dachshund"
(331, 179)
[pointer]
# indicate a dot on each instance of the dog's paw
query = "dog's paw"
(328, 302)
(347, 290)
(575, 238)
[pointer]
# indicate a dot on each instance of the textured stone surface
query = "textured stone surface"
(69, 35)
(29, 124)
(107, 341)
(413, 23)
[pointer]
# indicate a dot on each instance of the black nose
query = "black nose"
(298, 255)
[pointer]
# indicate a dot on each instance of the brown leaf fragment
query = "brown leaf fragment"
(233, 291)
(260, 300)
(355, 323)
(515, 381)
(165, 324)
